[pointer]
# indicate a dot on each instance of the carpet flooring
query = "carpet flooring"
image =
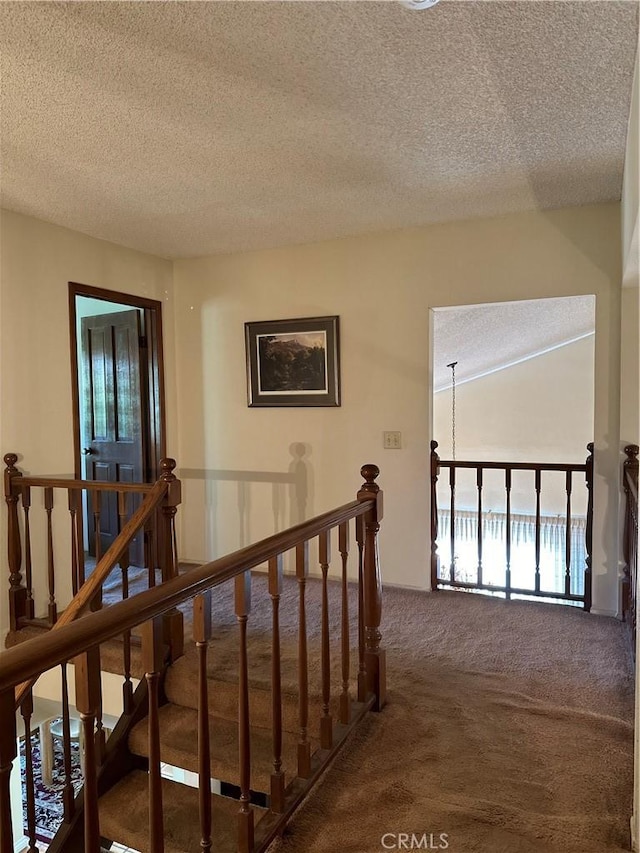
(508, 729)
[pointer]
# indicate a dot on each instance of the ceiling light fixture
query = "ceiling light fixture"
(419, 4)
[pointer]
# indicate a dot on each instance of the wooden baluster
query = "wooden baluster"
(80, 537)
(375, 657)
(277, 777)
(452, 521)
(507, 485)
(96, 505)
(152, 661)
(245, 815)
(127, 687)
(174, 623)
(362, 668)
(304, 747)
(538, 486)
(100, 736)
(435, 463)
(202, 636)
(28, 565)
(345, 697)
(567, 577)
(73, 513)
(87, 667)
(629, 469)
(150, 550)
(68, 794)
(326, 721)
(26, 709)
(479, 485)
(589, 530)
(51, 569)
(17, 593)
(8, 752)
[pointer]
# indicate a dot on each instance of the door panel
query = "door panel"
(113, 427)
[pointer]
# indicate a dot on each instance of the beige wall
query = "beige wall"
(540, 410)
(382, 286)
(36, 262)
(260, 469)
(631, 187)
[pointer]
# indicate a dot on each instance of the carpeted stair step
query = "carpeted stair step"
(181, 688)
(124, 816)
(179, 746)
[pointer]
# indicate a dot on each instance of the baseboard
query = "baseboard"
(21, 845)
(634, 840)
(613, 614)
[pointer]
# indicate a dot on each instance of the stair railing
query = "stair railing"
(154, 519)
(630, 539)
(79, 642)
(571, 471)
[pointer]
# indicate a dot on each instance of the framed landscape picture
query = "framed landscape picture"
(293, 362)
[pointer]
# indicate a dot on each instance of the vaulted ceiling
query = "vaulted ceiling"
(188, 128)
(484, 338)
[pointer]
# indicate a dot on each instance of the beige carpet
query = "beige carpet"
(508, 727)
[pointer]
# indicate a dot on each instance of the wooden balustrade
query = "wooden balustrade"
(79, 641)
(539, 470)
(25, 606)
(630, 539)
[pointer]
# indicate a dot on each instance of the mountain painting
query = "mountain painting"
(293, 363)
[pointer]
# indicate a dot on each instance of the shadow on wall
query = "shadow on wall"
(225, 509)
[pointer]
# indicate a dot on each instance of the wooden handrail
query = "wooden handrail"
(113, 554)
(514, 466)
(22, 663)
(88, 485)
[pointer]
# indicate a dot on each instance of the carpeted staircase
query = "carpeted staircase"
(123, 809)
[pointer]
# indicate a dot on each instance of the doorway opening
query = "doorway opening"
(513, 413)
(118, 398)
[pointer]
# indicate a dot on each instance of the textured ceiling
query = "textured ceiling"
(485, 338)
(187, 129)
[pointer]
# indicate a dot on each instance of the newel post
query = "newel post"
(589, 528)
(375, 657)
(17, 592)
(435, 559)
(173, 620)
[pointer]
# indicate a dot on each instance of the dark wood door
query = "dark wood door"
(113, 415)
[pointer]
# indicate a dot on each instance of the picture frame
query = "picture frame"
(293, 362)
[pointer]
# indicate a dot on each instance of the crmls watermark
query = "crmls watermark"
(413, 841)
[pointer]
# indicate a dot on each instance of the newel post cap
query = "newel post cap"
(370, 489)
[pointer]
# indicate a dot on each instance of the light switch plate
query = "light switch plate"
(392, 440)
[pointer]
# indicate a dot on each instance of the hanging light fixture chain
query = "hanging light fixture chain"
(453, 409)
